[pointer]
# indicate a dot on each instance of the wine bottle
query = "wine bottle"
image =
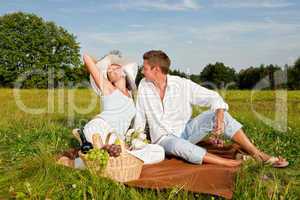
(86, 145)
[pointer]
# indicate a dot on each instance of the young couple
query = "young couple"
(164, 102)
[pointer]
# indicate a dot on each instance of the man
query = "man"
(165, 102)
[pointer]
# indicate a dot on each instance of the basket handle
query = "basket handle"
(97, 141)
(122, 144)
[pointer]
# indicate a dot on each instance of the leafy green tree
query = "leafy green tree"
(271, 69)
(29, 45)
(218, 74)
(294, 75)
(77, 75)
(178, 73)
(247, 78)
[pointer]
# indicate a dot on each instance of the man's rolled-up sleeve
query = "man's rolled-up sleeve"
(205, 97)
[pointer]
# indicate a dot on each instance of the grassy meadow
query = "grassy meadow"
(30, 141)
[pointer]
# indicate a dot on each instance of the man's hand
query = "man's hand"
(219, 123)
(218, 129)
(216, 141)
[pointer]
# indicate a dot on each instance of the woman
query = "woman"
(113, 78)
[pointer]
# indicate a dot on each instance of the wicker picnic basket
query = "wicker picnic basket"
(123, 168)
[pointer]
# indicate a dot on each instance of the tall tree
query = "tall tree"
(271, 69)
(218, 74)
(28, 44)
(294, 75)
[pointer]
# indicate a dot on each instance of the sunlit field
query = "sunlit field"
(29, 143)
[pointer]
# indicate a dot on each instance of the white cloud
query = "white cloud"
(252, 3)
(161, 5)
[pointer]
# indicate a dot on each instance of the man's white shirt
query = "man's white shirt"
(171, 115)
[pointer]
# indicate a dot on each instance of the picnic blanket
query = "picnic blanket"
(173, 172)
(205, 178)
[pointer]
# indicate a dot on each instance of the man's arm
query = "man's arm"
(205, 97)
(219, 122)
(209, 98)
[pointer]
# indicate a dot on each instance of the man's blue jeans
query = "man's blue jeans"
(196, 129)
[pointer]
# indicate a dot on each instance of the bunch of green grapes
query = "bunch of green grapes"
(100, 155)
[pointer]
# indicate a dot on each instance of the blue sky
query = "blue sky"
(194, 33)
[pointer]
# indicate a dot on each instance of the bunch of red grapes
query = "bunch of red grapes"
(113, 150)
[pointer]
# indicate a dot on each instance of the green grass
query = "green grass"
(28, 143)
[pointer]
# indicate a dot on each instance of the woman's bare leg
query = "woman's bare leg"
(241, 138)
(214, 159)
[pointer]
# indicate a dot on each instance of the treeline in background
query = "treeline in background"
(32, 50)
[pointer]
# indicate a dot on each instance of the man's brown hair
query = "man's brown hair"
(158, 57)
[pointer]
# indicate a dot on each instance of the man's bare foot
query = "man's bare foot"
(64, 160)
(277, 162)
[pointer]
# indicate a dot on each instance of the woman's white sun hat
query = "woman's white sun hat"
(130, 69)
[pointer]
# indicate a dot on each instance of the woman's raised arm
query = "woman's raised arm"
(103, 84)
